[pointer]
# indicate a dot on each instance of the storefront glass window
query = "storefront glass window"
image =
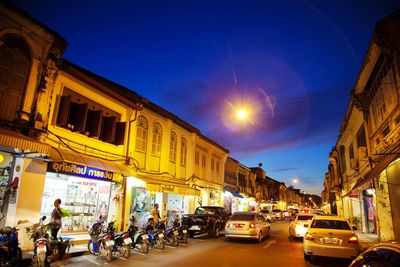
(85, 199)
(141, 204)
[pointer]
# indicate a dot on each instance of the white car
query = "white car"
(330, 236)
(296, 228)
(249, 225)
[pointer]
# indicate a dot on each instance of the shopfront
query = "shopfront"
(85, 192)
(174, 199)
(6, 165)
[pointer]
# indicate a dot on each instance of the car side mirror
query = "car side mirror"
(305, 225)
(354, 228)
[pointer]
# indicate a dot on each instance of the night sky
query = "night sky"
(292, 63)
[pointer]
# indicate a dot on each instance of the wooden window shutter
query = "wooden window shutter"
(108, 129)
(63, 111)
(93, 123)
(120, 133)
(78, 116)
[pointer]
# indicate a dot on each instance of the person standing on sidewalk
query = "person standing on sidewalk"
(156, 214)
(55, 219)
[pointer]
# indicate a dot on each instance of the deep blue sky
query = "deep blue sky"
(293, 62)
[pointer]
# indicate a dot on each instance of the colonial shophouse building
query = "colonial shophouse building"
(363, 177)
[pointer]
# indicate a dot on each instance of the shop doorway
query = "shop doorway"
(369, 210)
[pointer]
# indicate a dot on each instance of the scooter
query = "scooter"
(10, 252)
(46, 250)
(100, 244)
(170, 233)
(139, 237)
(156, 236)
(182, 230)
(122, 241)
(40, 241)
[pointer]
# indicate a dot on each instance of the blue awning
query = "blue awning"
(236, 194)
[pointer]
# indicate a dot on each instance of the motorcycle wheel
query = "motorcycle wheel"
(41, 260)
(108, 254)
(18, 258)
(125, 251)
(175, 241)
(185, 239)
(160, 243)
(144, 247)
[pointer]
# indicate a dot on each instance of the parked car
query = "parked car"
(206, 219)
(286, 215)
(278, 214)
(247, 225)
(296, 228)
(268, 215)
(330, 236)
(383, 254)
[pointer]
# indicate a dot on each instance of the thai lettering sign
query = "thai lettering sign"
(80, 170)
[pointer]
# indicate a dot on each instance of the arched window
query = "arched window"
(183, 151)
(172, 147)
(15, 63)
(157, 137)
(141, 134)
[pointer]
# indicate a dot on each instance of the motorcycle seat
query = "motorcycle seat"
(119, 234)
(6, 230)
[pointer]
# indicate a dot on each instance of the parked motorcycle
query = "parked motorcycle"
(182, 230)
(46, 249)
(170, 233)
(10, 252)
(139, 237)
(156, 236)
(122, 241)
(100, 244)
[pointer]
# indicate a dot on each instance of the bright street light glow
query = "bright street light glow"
(241, 113)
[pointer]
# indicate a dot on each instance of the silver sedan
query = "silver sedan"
(250, 225)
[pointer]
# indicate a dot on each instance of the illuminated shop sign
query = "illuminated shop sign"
(80, 170)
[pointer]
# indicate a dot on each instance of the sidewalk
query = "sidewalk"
(366, 240)
(79, 248)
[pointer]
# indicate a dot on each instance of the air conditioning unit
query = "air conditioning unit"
(362, 153)
(354, 164)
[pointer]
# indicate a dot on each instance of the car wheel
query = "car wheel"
(259, 239)
(216, 232)
(307, 257)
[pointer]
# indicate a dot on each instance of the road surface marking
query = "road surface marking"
(269, 243)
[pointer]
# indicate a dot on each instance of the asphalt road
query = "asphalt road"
(204, 251)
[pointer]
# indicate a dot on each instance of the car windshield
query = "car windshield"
(330, 224)
(205, 210)
(242, 217)
(304, 217)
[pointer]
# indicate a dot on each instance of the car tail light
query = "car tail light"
(308, 236)
(252, 225)
(107, 237)
(353, 240)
